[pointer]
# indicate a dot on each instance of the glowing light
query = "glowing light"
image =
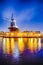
(4, 45)
(30, 44)
(20, 44)
(25, 40)
(35, 44)
(39, 44)
(12, 45)
(16, 52)
(7, 34)
(12, 34)
(7, 45)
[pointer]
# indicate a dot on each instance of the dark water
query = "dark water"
(25, 58)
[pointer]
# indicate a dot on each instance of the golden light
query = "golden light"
(25, 40)
(20, 34)
(12, 45)
(30, 44)
(21, 45)
(7, 46)
(12, 34)
(7, 34)
(30, 33)
(35, 44)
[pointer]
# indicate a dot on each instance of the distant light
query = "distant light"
(21, 44)
(7, 46)
(16, 52)
(12, 34)
(12, 45)
(39, 44)
(4, 45)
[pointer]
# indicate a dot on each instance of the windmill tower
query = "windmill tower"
(13, 26)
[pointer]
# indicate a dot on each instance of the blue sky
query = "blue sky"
(27, 13)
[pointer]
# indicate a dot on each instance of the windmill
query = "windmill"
(13, 26)
(12, 20)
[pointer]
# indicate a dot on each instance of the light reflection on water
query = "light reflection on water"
(16, 52)
(26, 55)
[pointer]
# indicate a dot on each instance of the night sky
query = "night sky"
(27, 13)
